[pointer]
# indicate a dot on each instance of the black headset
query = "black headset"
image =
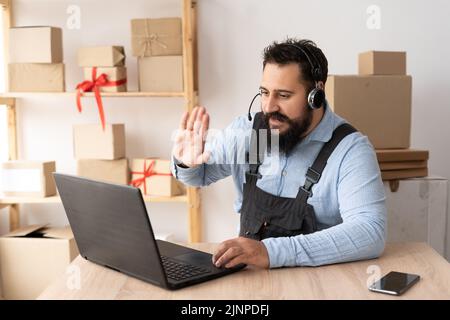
(316, 97)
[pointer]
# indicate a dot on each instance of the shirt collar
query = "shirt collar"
(324, 130)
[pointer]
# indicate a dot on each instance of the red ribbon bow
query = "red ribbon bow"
(147, 172)
(94, 85)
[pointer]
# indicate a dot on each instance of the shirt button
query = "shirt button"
(284, 172)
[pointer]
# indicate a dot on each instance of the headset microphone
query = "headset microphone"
(250, 107)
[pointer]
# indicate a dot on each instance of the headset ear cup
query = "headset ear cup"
(316, 98)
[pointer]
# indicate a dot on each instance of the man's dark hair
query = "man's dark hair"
(284, 53)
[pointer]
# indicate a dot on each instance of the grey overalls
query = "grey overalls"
(264, 215)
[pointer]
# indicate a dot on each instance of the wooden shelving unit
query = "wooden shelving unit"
(190, 95)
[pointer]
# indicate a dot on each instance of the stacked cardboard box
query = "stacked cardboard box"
(108, 60)
(21, 178)
(100, 153)
(36, 60)
(377, 102)
(158, 45)
(402, 163)
(154, 178)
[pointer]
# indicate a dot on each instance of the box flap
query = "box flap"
(58, 233)
(23, 232)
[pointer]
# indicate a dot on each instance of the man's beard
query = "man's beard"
(293, 135)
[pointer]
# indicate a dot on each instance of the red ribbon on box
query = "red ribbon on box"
(147, 172)
(94, 85)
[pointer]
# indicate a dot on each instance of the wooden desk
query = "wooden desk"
(339, 281)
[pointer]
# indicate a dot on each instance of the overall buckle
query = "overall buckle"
(312, 177)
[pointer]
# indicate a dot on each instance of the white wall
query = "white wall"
(232, 35)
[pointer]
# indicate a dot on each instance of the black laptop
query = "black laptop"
(112, 228)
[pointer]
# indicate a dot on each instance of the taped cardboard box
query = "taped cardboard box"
(156, 37)
(35, 45)
(114, 171)
(382, 63)
(36, 77)
(107, 56)
(32, 257)
(154, 178)
(378, 106)
(112, 74)
(92, 142)
(161, 74)
(20, 178)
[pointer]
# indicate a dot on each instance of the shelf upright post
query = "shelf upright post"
(191, 98)
(14, 213)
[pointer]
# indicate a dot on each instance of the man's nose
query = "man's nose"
(271, 104)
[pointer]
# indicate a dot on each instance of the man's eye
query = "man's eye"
(264, 93)
(284, 96)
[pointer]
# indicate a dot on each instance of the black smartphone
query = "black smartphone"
(395, 283)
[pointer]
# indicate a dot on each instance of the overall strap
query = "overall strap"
(315, 171)
(255, 156)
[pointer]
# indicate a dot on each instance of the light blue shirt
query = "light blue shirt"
(349, 199)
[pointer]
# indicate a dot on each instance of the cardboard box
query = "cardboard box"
(112, 56)
(378, 106)
(36, 77)
(382, 63)
(404, 174)
(91, 142)
(161, 74)
(32, 257)
(400, 165)
(417, 212)
(114, 171)
(20, 178)
(112, 73)
(159, 181)
(390, 155)
(35, 45)
(156, 37)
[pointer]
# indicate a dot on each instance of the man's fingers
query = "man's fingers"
(228, 255)
(221, 249)
(183, 121)
(201, 111)
(204, 127)
(235, 261)
(192, 117)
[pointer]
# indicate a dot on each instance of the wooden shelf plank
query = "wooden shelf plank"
(57, 199)
(91, 94)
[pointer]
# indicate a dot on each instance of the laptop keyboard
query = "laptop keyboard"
(179, 271)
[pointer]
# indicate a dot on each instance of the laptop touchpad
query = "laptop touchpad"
(196, 258)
